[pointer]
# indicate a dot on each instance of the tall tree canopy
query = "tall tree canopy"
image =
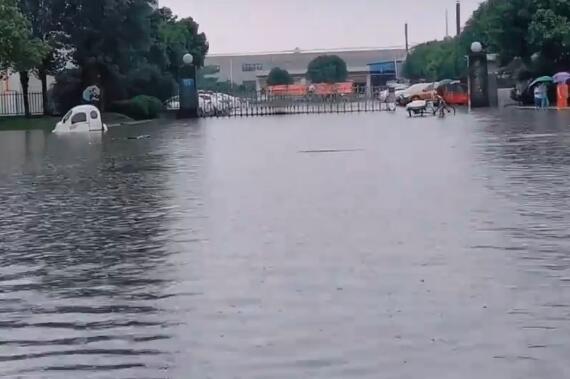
(46, 19)
(18, 48)
(511, 28)
(327, 69)
(435, 60)
(109, 32)
(126, 46)
(278, 76)
(172, 38)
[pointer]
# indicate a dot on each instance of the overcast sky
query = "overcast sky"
(240, 26)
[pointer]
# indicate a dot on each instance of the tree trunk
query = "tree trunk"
(43, 78)
(24, 80)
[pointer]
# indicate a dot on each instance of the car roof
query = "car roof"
(85, 108)
(418, 86)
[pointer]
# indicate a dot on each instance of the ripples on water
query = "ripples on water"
(218, 250)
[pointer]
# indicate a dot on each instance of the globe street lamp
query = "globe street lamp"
(476, 47)
(478, 76)
(188, 93)
(188, 59)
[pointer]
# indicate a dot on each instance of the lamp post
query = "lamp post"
(478, 77)
(188, 92)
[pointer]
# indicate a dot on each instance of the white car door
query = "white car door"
(79, 122)
(95, 122)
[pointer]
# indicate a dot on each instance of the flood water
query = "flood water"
(322, 246)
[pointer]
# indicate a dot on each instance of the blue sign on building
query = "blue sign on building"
(383, 68)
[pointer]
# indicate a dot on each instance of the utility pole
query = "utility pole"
(407, 41)
(458, 16)
(446, 23)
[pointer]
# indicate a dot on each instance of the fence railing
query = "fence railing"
(258, 103)
(12, 103)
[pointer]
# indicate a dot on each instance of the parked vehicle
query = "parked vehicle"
(209, 103)
(420, 91)
(398, 87)
(454, 93)
(172, 104)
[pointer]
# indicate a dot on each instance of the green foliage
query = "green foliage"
(549, 34)
(327, 69)
(67, 90)
(502, 26)
(123, 46)
(126, 42)
(18, 49)
(511, 28)
(435, 60)
(46, 18)
(278, 76)
(172, 38)
(149, 80)
(140, 107)
(108, 33)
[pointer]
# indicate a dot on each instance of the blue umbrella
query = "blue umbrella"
(561, 77)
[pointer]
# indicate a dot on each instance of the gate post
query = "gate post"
(188, 93)
(478, 77)
(369, 85)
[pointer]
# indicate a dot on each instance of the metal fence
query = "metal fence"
(12, 103)
(260, 103)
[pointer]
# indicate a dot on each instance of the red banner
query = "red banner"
(322, 89)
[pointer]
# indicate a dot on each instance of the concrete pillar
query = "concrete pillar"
(188, 95)
(369, 85)
(493, 68)
(478, 80)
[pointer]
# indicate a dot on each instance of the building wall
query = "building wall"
(11, 99)
(246, 68)
(11, 83)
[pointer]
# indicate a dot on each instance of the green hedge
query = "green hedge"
(140, 107)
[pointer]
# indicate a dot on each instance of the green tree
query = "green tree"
(511, 28)
(435, 60)
(327, 69)
(172, 38)
(46, 17)
(549, 34)
(19, 51)
(110, 38)
(278, 76)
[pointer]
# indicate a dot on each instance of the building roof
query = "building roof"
(300, 60)
(240, 68)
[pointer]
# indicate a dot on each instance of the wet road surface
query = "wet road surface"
(324, 246)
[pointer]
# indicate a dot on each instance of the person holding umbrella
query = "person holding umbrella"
(544, 92)
(541, 91)
(561, 79)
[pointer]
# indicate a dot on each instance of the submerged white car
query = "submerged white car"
(83, 118)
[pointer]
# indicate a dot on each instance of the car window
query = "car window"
(79, 117)
(94, 115)
(67, 116)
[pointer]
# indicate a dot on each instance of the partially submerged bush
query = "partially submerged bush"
(140, 107)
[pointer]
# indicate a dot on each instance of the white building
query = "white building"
(252, 69)
(11, 98)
